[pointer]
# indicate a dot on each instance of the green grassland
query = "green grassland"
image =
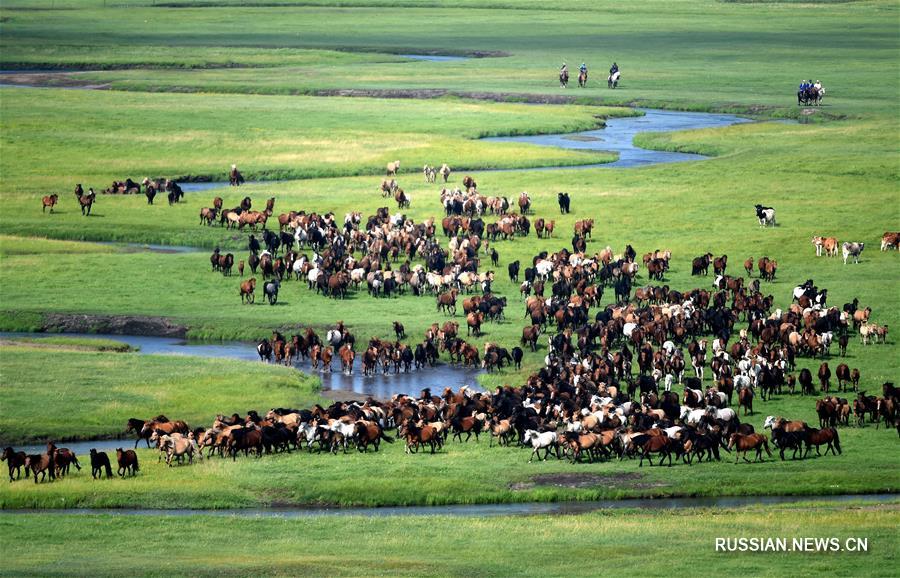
(199, 87)
(582, 545)
(78, 343)
(93, 138)
(64, 394)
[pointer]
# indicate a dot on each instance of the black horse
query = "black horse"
(563, 199)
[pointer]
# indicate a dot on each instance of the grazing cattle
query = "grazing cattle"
(247, 289)
(852, 250)
(827, 244)
(128, 462)
(890, 241)
(49, 201)
(765, 215)
(99, 463)
(563, 200)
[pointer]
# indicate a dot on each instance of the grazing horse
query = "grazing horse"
(827, 436)
(49, 201)
(85, 200)
(15, 461)
(128, 462)
(99, 462)
(744, 443)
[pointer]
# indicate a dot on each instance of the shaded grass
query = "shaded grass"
(393, 546)
(62, 394)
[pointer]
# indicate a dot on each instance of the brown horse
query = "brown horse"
(744, 443)
(446, 302)
(819, 437)
(165, 427)
(247, 289)
(49, 201)
(15, 461)
(128, 462)
(745, 400)
(419, 436)
(41, 464)
(369, 432)
(64, 458)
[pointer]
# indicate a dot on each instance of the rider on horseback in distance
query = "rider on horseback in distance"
(583, 68)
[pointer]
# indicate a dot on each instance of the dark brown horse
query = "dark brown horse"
(85, 200)
(137, 426)
(15, 461)
(820, 437)
(128, 462)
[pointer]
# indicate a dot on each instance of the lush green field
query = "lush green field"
(63, 394)
(221, 81)
(658, 542)
(93, 138)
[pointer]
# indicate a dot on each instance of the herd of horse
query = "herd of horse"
(555, 412)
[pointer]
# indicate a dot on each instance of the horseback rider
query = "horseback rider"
(613, 69)
(564, 69)
(583, 68)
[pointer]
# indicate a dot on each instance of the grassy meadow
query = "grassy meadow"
(67, 394)
(577, 545)
(190, 87)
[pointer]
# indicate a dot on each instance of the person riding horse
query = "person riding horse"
(613, 69)
(583, 68)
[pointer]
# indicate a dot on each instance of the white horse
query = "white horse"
(612, 81)
(724, 414)
(542, 441)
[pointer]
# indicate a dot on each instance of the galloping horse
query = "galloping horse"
(582, 78)
(49, 201)
(564, 78)
(86, 201)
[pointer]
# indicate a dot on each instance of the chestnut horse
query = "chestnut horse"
(819, 437)
(744, 443)
(49, 201)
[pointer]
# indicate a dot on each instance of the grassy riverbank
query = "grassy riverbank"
(446, 546)
(64, 394)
